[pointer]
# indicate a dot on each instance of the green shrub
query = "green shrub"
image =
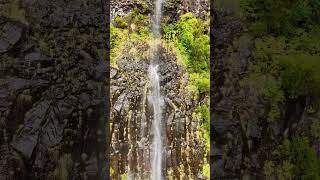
(117, 37)
(300, 75)
(204, 114)
(191, 39)
(293, 159)
(284, 70)
(120, 22)
(195, 41)
(281, 16)
(268, 87)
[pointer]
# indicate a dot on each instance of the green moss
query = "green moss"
(203, 114)
(120, 22)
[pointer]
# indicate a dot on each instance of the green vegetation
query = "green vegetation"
(117, 38)
(124, 176)
(123, 29)
(293, 159)
(189, 38)
(286, 68)
(287, 52)
(283, 17)
(204, 113)
(189, 35)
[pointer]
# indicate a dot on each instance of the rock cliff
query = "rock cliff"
(131, 116)
(53, 70)
(242, 138)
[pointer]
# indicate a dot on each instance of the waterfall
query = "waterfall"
(156, 101)
(157, 17)
(157, 145)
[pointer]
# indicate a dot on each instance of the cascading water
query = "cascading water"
(157, 17)
(156, 101)
(157, 145)
(153, 133)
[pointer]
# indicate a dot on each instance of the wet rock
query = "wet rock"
(101, 70)
(119, 103)
(28, 136)
(218, 168)
(254, 130)
(52, 130)
(85, 100)
(37, 57)
(10, 34)
(221, 124)
(91, 167)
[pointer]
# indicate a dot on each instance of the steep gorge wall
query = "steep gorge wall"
(52, 89)
(242, 138)
(131, 116)
(172, 8)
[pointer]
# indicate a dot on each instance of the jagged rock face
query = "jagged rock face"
(239, 132)
(52, 90)
(242, 139)
(172, 8)
(132, 116)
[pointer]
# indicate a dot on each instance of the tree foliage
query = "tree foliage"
(281, 16)
(293, 159)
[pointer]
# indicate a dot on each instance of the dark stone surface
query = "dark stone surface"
(53, 92)
(242, 137)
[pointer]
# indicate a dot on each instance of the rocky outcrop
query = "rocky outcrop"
(242, 138)
(52, 90)
(173, 9)
(240, 134)
(132, 116)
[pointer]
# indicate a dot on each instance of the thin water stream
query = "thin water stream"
(156, 101)
(157, 144)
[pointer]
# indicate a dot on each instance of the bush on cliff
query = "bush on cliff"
(190, 37)
(293, 159)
